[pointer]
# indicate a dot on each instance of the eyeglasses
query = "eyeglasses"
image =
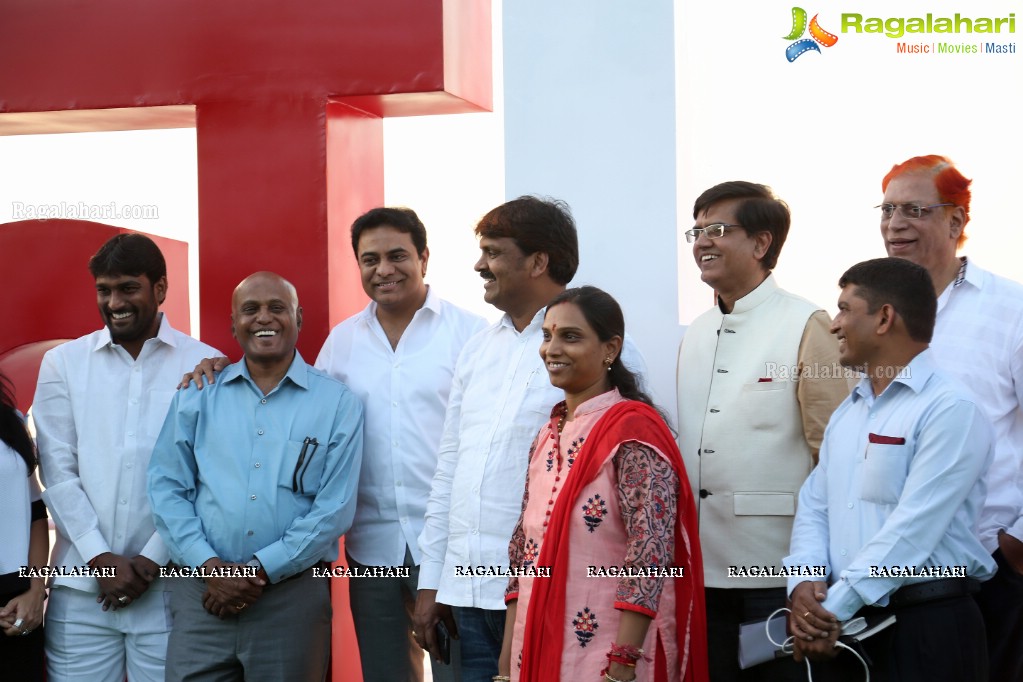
(913, 211)
(713, 231)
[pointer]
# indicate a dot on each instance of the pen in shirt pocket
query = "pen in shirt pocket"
(297, 478)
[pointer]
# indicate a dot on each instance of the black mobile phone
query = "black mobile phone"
(444, 643)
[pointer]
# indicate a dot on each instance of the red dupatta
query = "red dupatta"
(543, 638)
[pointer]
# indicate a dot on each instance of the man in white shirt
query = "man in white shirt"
(978, 339)
(99, 406)
(398, 355)
(758, 378)
(500, 397)
(891, 509)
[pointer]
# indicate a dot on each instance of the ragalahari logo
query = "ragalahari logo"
(817, 35)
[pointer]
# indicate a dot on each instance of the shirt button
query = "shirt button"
(134, 401)
(394, 443)
(251, 532)
(253, 497)
(397, 483)
(124, 500)
(850, 505)
(263, 401)
(260, 432)
(394, 404)
(128, 465)
(131, 433)
(714, 410)
(844, 552)
(475, 531)
(136, 369)
(557, 478)
(404, 520)
(257, 465)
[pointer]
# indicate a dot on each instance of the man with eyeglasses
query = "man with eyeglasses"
(758, 378)
(978, 338)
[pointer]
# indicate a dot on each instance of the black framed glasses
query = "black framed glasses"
(713, 231)
(913, 211)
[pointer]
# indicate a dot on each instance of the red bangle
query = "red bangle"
(632, 653)
(615, 658)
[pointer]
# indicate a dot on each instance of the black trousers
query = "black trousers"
(1001, 603)
(726, 609)
(21, 658)
(937, 641)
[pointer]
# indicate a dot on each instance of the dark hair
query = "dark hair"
(902, 284)
(400, 218)
(130, 254)
(537, 224)
(760, 211)
(12, 429)
(604, 315)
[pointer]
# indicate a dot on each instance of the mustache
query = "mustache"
(487, 274)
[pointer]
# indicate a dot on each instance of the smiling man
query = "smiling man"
(398, 355)
(253, 480)
(500, 397)
(99, 406)
(898, 490)
(758, 378)
(978, 339)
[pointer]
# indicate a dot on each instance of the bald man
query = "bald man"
(252, 482)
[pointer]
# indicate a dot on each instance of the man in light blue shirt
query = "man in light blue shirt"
(892, 508)
(257, 471)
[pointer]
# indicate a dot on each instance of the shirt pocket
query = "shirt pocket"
(885, 468)
(302, 467)
(764, 401)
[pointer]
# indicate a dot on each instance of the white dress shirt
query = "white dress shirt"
(97, 414)
(978, 339)
(18, 491)
(500, 398)
(405, 393)
(874, 501)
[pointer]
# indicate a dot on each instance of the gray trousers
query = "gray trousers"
(285, 635)
(382, 612)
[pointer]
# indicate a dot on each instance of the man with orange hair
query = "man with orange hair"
(978, 338)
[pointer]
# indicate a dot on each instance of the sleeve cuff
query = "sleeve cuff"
(625, 606)
(38, 510)
(842, 600)
(429, 575)
(276, 562)
(198, 554)
(156, 551)
(91, 545)
(509, 598)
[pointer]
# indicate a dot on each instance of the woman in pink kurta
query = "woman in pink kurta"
(606, 496)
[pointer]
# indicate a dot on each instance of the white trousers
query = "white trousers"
(86, 644)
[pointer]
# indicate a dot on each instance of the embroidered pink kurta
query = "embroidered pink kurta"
(624, 518)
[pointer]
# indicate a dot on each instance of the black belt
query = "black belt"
(946, 588)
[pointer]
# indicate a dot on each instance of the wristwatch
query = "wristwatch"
(258, 565)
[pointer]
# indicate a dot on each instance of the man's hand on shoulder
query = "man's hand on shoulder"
(206, 369)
